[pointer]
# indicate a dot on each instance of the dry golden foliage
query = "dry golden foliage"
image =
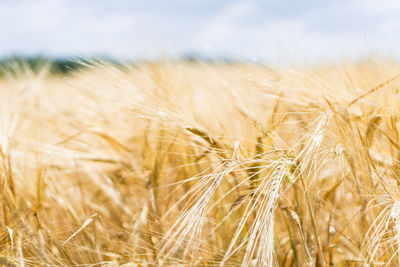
(195, 164)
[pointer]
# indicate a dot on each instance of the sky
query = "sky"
(274, 31)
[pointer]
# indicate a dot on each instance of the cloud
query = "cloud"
(340, 29)
(275, 31)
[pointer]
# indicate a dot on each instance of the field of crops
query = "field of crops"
(201, 164)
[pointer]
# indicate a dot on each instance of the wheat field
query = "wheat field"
(200, 164)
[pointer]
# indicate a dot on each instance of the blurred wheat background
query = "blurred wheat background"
(200, 164)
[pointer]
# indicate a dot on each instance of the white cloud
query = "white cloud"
(274, 31)
(345, 29)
